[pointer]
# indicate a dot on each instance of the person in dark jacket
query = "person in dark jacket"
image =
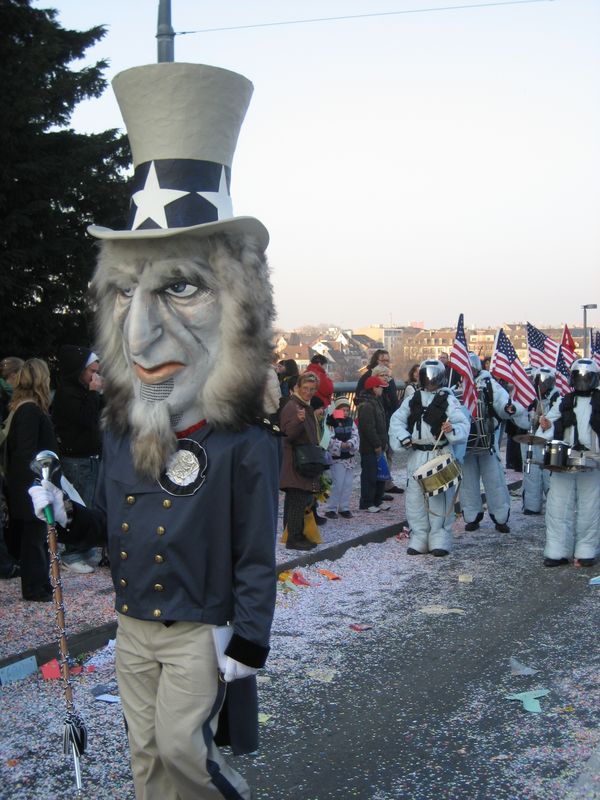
(30, 432)
(76, 410)
(380, 364)
(288, 376)
(372, 431)
(188, 486)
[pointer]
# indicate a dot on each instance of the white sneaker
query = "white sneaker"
(77, 566)
(374, 509)
(384, 507)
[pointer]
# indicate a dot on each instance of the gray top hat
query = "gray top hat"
(183, 122)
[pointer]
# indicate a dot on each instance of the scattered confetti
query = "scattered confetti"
(360, 627)
(465, 577)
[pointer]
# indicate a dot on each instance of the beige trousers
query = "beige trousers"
(171, 698)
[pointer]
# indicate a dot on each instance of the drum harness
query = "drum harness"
(435, 414)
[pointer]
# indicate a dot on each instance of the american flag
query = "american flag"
(507, 366)
(568, 348)
(563, 373)
(595, 346)
(459, 361)
(543, 351)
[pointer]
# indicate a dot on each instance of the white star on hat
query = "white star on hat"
(151, 201)
(221, 200)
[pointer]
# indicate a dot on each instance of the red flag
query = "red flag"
(506, 365)
(568, 347)
(459, 361)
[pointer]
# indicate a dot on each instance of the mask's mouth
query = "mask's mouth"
(156, 392)
(158, 374)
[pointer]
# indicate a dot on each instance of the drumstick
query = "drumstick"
(438, 439)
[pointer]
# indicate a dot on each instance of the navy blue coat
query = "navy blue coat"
(205, 557)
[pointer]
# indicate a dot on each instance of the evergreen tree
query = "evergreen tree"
(53, 182)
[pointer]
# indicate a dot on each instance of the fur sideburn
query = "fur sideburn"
(231, 395)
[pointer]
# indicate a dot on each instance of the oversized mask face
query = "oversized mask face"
(169, 311)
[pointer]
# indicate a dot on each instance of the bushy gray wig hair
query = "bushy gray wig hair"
(231, 395)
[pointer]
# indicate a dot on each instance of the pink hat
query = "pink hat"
(374, 381)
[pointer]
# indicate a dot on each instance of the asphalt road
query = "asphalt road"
(417, 706)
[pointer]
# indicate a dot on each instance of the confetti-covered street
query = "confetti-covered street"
(390, 677)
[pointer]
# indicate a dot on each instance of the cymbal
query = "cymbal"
(529, 438)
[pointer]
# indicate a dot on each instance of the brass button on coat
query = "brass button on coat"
(157, 612)
(167, 503)
(158, 587)
(124, 555)
(130, 499)
(124, 527)
(124, 608)
(160, 530)
(123, 582)
(159, 559)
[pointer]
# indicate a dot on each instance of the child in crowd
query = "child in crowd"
(343, 445)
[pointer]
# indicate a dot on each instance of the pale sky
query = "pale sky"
(409, 166)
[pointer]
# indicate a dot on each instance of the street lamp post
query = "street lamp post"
(165, 33)
(586, 344)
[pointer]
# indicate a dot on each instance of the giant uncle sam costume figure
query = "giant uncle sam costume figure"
(188, 487)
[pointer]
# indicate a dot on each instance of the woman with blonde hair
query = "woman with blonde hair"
(30, 431)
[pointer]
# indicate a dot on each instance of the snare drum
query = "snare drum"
(438, 474)
(556, 456)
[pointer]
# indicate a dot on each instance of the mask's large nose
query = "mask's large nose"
(143, 326)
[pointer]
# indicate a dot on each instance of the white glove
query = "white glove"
(47, 494)
(235, 669)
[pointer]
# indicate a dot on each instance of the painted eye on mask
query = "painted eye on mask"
(181, 289)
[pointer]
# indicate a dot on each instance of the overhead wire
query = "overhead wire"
(365, 16)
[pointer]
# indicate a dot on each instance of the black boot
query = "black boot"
(299, 544)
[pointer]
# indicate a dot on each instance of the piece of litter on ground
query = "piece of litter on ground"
(501, 757)
(263, 679)
(299, 580)
(439, 610)
(359, 626)
(108, 698)
(516, 668)
(262, 718)
(328, 574)
(322, 675)
(465, 577)
(529, 699)
(595, 581)
(51, 670)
